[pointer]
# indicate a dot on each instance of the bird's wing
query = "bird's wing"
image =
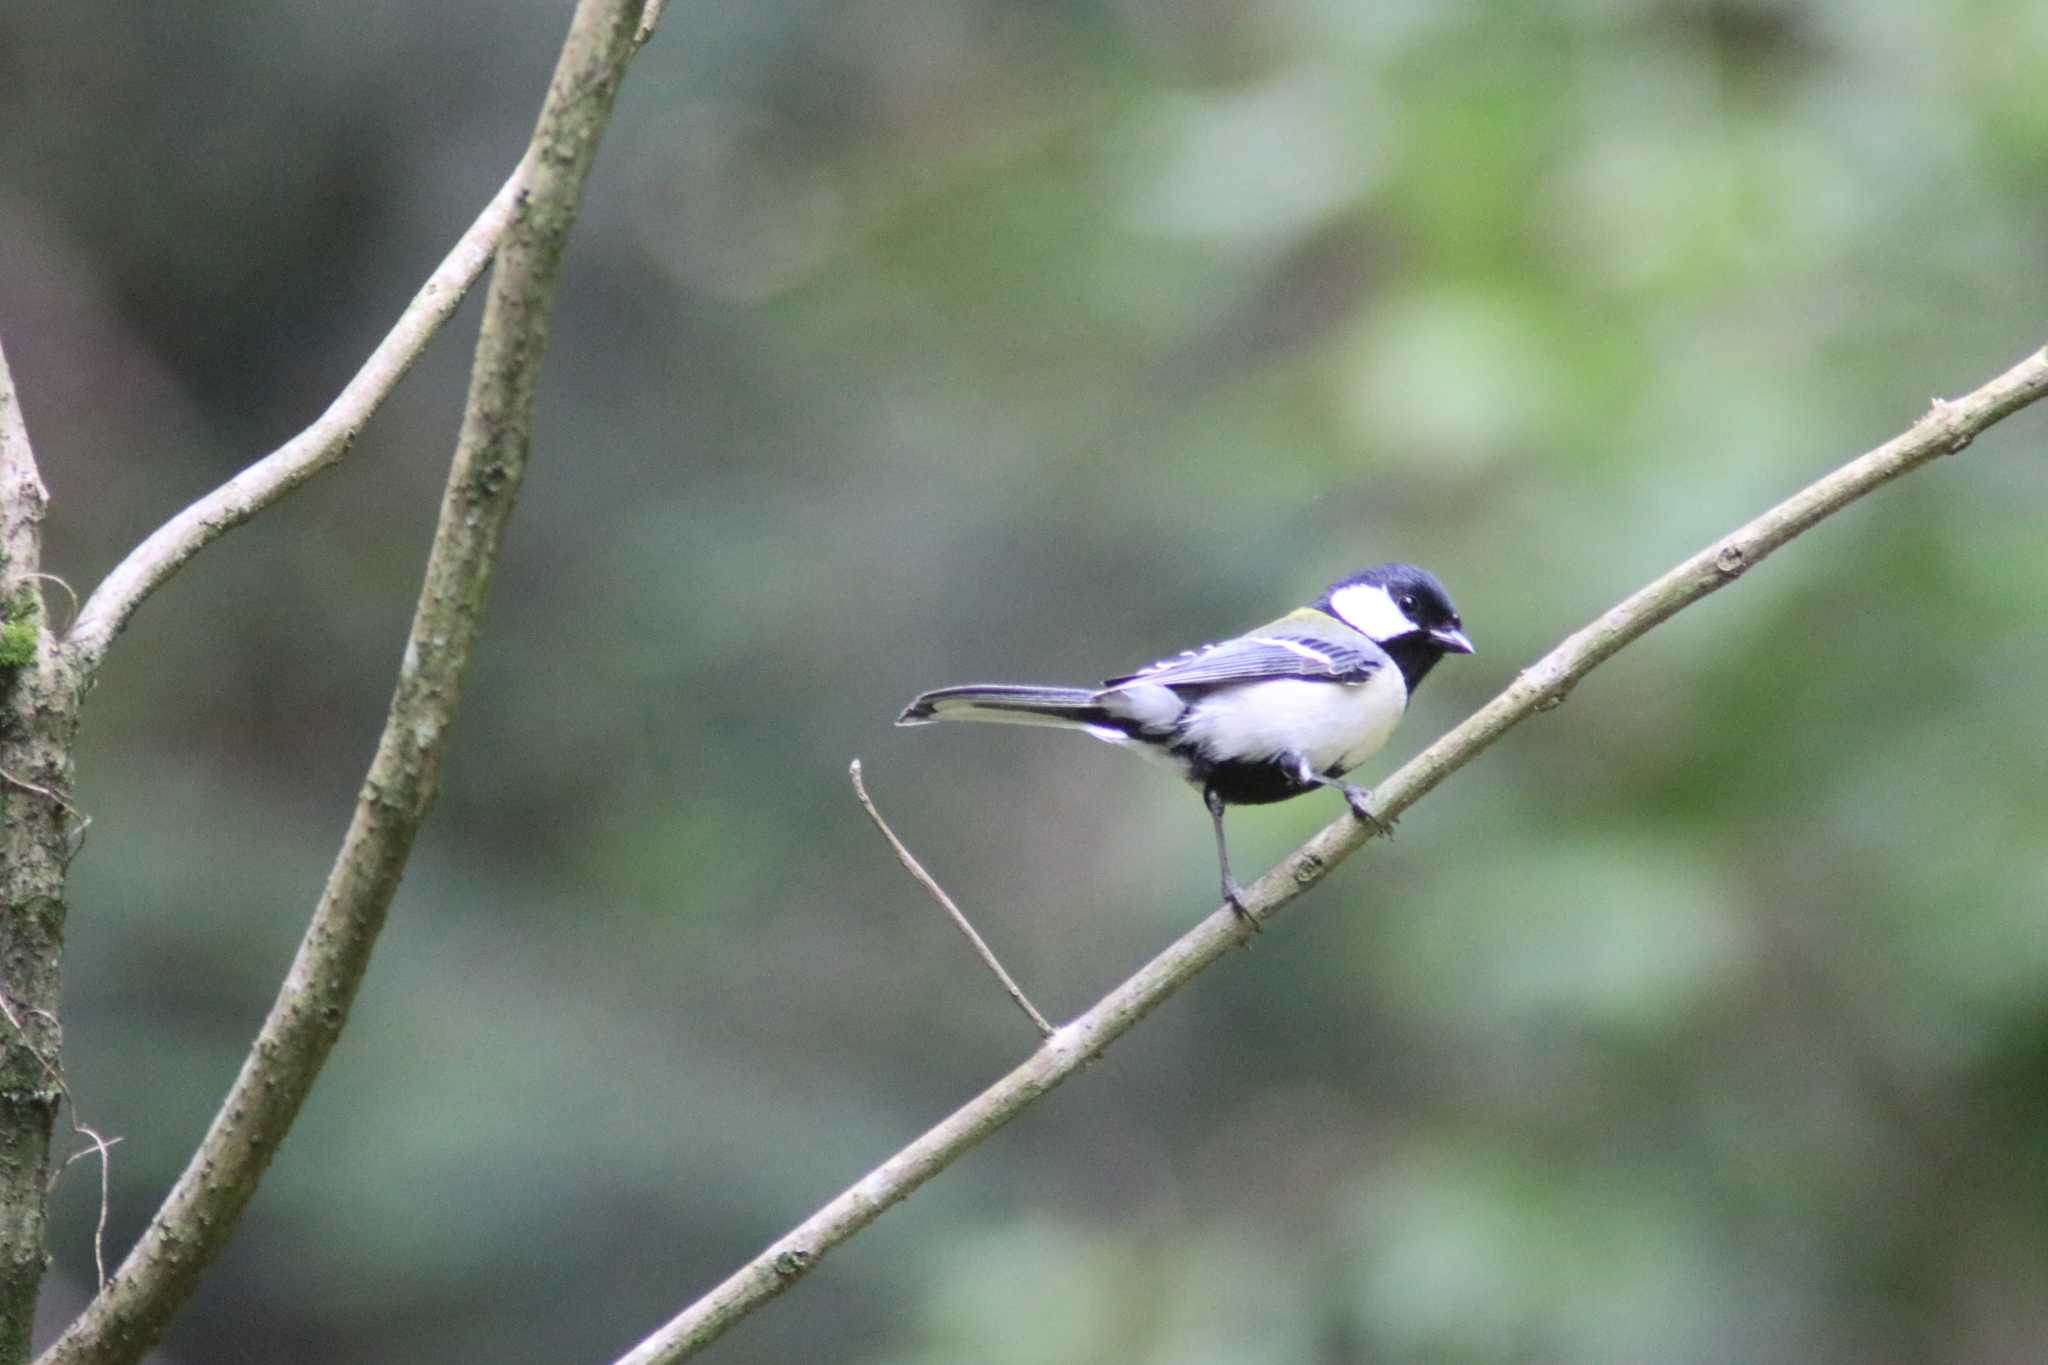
(1282, 650)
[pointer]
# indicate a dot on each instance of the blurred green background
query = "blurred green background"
(905, 343)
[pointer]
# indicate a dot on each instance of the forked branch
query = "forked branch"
(319, 447)
(1945, 429)
(131, 1312)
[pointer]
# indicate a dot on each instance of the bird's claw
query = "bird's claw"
(1358, 798)
(1233, 896)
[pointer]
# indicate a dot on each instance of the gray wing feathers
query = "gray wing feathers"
(1153, 700)
(1252, 657)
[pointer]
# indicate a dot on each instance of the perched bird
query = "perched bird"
(1282, 710)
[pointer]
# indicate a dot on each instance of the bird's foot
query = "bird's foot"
(1233, 896)
(1357, 798)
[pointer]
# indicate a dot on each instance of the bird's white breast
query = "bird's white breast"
(1337, 725)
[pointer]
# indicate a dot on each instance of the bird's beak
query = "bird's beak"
(1452, 640)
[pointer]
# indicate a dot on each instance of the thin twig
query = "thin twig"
(317, 448)
(74, 812)
(94, 1140)
(13, 1019)
(160, 1273)
(69, 592)
(102, 1146)
(1946, 429)
(80, 821)
(938, 893)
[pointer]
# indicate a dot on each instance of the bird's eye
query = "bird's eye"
(1408, 602)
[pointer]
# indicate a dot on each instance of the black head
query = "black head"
(1405, 610)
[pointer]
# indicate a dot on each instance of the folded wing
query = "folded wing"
(1266, 654)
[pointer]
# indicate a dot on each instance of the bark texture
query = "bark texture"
(38, 718)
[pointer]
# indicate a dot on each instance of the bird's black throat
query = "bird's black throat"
(1414, 654)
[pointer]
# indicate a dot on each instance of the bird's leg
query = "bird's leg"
(1232, 892)
(1355, 796)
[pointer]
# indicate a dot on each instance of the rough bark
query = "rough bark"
(38, 718)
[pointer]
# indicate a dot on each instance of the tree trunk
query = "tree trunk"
(38, 719)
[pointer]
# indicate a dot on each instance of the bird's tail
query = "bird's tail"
(1066, 707)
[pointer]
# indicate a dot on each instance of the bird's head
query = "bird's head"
(1401, 607)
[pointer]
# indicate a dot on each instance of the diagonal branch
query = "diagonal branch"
(317, 448)
(1947, 428)
(160, 1273)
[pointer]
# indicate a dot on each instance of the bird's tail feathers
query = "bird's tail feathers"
(1065, 707)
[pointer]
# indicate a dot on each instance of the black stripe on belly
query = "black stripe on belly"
(1243, 784)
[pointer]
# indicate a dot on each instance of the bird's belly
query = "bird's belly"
(1336, 726)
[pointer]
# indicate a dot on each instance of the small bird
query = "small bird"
(1282, 710)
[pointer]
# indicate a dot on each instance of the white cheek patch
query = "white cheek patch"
(1371, 611)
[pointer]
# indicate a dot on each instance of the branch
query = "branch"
(650, 19)
(39, 696)
(160, 1273)
(317, 448)
(1947, 428)
(22, 496)
(938, 893)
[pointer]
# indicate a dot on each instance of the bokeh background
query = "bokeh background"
(906, 342)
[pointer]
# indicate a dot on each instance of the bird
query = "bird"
(1279, 711)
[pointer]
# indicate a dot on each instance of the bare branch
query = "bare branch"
(160, 1273)
(54, 798)
(69, 592)
(96, 1144)
(319, 447)
(39, 696)
(22, 495)
(650, 18)
(1947, 428)
(938, 893)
